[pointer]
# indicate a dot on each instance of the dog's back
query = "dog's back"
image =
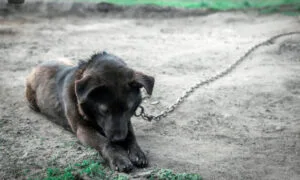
(44, 88)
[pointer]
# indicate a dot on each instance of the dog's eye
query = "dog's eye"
(103, 109)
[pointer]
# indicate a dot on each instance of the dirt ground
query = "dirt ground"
(243, 126)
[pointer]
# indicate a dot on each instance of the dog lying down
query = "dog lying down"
(96, 100)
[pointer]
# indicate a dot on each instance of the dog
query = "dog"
(95, 100)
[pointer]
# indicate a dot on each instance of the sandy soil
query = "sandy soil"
(244, 126)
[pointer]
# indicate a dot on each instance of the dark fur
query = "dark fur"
(96, 100)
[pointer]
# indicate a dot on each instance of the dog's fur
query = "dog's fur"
(96, 100)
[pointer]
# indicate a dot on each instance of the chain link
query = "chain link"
(188, 92)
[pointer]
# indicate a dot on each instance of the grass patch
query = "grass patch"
(95, 170)
(87, 168)
(167, 174)
(211, 4)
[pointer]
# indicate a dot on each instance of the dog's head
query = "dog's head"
(108, 93)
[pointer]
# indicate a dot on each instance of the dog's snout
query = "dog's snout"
(117, 137)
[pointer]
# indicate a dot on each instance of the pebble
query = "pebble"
(279, 128)
(154, 102)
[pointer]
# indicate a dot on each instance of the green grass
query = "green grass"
(167, 174)
(95, 170)
(211, 4)
(90, 168)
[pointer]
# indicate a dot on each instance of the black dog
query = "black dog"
(96, 99)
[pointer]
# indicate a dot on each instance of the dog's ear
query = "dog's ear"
(84, 86)
(142, 80)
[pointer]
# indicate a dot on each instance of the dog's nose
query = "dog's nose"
(117, 138)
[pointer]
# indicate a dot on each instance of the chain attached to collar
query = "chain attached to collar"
(140, 110)
(142, 114)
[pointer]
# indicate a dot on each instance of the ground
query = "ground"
(243, 126)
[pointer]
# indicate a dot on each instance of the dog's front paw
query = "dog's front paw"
(137, 156)
(117, 158)
(120, 163)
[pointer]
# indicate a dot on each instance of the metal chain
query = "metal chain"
(141, 113)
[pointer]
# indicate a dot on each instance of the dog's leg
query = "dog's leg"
(136, 155)
(114, 154)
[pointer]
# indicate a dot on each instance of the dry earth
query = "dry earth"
(243, 126)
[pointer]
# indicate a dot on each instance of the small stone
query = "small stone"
(154, 102)
(279, 128)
